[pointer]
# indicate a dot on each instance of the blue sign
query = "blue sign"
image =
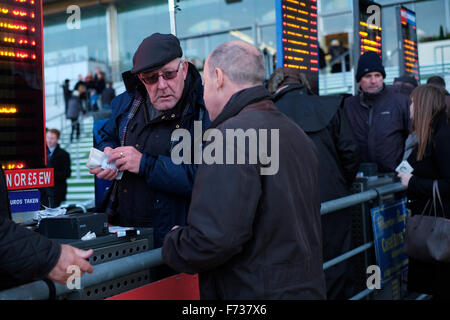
(389, 228)
(24, 200)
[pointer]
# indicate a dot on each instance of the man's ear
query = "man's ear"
(185, 68)
(219, 78)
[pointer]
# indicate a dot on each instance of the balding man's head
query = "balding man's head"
(242, 62)
(231, 67)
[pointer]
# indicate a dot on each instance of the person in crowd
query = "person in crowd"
(90, 90)
(430, 160)
(108, 95)
(251, 235)
(404, 84)
(378, 116)
(439, 82)
(74, 111)
(322, 60)
(93, 101)
(164, 93)
(337, 52)
(100, 82)
(90, 81)
(27, 256)
(84, 98)
(67, 93)
(59, 160)
(324, 121)
(79, 82)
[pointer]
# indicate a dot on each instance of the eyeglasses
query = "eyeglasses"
(166, 75)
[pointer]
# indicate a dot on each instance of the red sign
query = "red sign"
(29, 179)
(178, 287)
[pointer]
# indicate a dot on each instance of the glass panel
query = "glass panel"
(63, 45)
(197, 50)
(328, 6)
(428, 27)
(137, 20)
(201, 16)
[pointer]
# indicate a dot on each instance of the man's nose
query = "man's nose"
(161, 83)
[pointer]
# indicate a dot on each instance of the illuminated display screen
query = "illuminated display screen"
(297, 44)
(369, 27)
(22, 141)
(409, 57)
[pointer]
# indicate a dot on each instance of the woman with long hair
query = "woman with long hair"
(430, 160)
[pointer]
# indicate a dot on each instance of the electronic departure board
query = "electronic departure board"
(409, 57)
(22, 132)
(297, 43)
(368, 27)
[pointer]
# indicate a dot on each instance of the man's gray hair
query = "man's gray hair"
(240, 61)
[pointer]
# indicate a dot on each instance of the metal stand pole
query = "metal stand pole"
(173, 22)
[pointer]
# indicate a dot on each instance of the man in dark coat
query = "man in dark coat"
(108, 95)
(164, 93)
(404, 84)
(251, 233)
(59, 160)
(324, 122)
(378, 116)
(27, 256)
(67, 93)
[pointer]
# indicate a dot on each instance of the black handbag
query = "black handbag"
(427, 236)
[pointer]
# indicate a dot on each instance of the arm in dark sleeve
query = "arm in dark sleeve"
(162, 174)
(220, 219)
(346, 146)
(25, 255)
(424, 187)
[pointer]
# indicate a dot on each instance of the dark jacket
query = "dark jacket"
(60, 161)
(253, 236)
(380, 123)
(74, 108)
(433, 278)
(159, 195)
(108, 95)
(25, 255)
(325, 123)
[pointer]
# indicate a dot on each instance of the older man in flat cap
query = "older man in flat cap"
(163, 93)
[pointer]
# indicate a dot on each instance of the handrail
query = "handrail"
(117, 268)
(103, 272)
(62, 114)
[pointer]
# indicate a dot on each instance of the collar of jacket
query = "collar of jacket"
(366, 98)
(290, 87)
(192, 93)
(239, 101)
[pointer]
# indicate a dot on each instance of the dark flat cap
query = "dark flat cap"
(156, 51)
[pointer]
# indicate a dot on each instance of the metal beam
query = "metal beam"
(61, 6)
(103, 272)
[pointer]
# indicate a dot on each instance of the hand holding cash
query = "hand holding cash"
(404, 170)
(98, 158)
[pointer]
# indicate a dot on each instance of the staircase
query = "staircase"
(80, 185)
